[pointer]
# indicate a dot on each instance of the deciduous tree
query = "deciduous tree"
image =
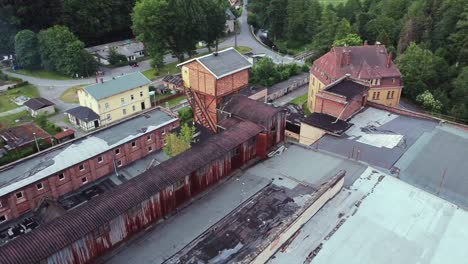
(27, 50)
(178, 143)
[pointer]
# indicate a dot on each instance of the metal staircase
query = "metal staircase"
(199, 110)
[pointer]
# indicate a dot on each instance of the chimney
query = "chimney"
(389, 60)
(365, 42)
(348, 57)
(102, 80)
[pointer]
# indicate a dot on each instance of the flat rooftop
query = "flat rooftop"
(286, 170)
(393, 223)
(48, 162)
(425, 153)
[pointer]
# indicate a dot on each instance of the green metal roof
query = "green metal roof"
(117, 85)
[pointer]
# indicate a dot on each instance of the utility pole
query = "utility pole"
(235, 33)
(35, 140)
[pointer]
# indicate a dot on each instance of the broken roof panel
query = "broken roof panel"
(327, 122)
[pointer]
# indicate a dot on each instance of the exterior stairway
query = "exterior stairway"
(199, 111)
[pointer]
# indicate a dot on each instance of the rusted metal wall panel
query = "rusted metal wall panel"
(149, 211)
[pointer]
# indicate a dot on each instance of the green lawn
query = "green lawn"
(174, 101)
(44, 74)
(70, 95)
(167, 69)
(6, 97)
(10, 120)
(299, 100)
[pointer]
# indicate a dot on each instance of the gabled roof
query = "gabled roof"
(22, 135)
(245, 108)
(363, 62)
(38, 103)
(223, 63)
(174, 79)
(117, 85)
(83, 113)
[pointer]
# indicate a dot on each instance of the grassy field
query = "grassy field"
(174, 101)
(70, 95)
(6, 97)
(165, 70)
(10, 120)
(299, 100)
(44, 74)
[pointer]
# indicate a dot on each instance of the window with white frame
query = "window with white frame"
(133, 144)
(3, 218)
(132, 97)
(119, 163)
(117, 151)
(141, 94)
(100, 159)
(124, 111)
(81, 167)
(122, 100)
(84, 180)
(133, 108)
(106, 105)
(148, 137)
(61, 176)
(19, 195)
(39, 186)
(150, 148)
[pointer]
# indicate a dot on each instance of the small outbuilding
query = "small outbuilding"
(83, 117)
(39, 106)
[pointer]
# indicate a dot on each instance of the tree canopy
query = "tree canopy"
(177, 25)
(61, 51)
(428, 37)
(26, 49)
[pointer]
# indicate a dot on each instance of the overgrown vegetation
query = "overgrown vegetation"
(266, 73)
(24, 152)
(48, 126)
(6, 97)
(429, 37)
(185, 115)
(178, 143)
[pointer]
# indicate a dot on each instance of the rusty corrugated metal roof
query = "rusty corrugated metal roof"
(245, 108)
(53, 236)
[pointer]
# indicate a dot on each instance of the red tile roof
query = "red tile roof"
(363, 62)
(22, 135)
(64, 134)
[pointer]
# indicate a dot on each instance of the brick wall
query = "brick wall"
(82, 174)
(232, 83)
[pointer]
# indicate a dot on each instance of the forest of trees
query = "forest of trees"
(92, 21)
(429, 38)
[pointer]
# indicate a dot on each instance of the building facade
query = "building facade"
(118, 98)
(89, 231)
(369, 63)
(40, 106)
(209, 79)
(66, 168)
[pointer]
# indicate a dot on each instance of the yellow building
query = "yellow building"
(118, 98)
(369, 63)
